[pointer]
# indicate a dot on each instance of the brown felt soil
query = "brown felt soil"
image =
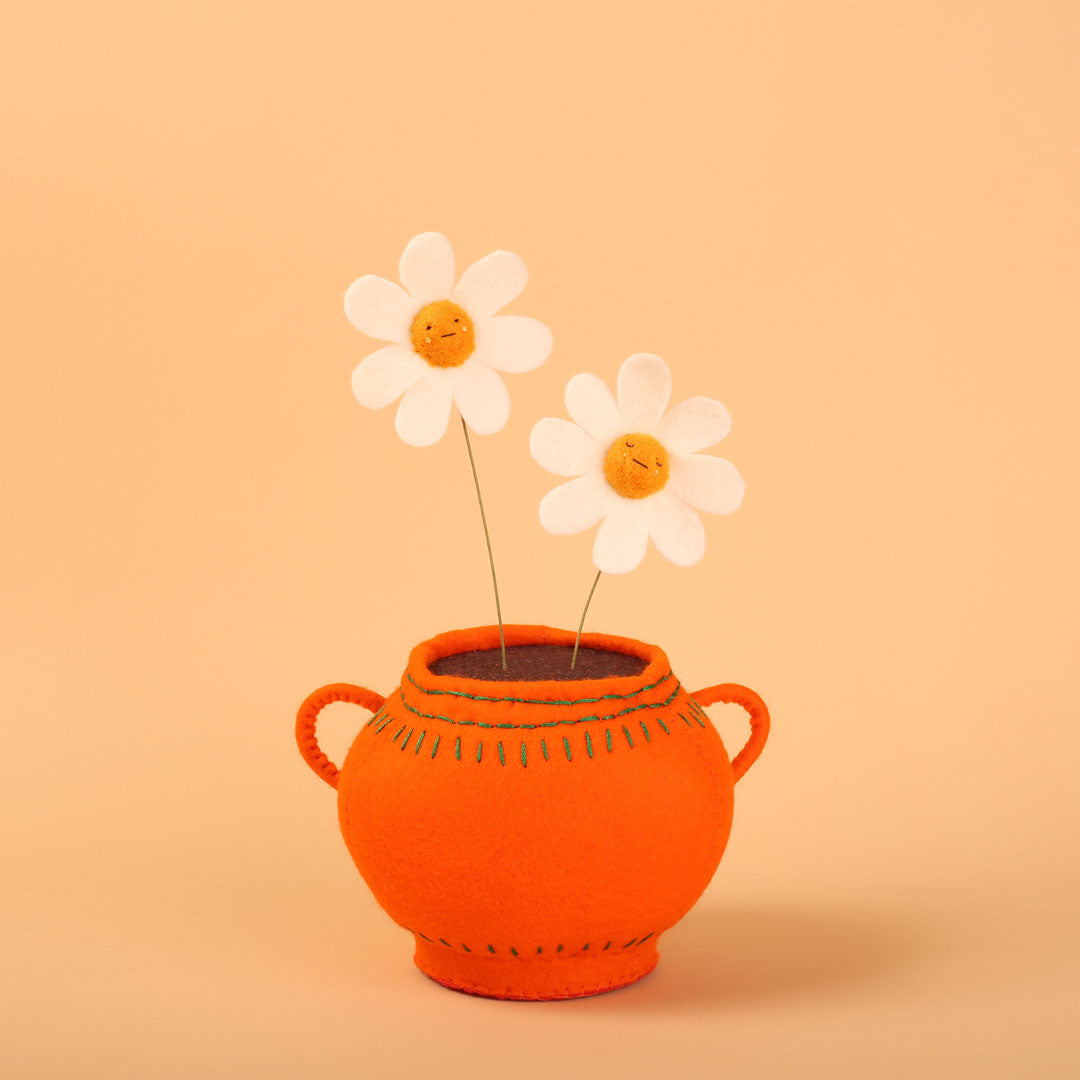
(532, 663)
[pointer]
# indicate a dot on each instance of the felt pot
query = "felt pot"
(536, 838)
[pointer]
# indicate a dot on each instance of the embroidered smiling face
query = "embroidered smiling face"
(442, 333)
(636, 465)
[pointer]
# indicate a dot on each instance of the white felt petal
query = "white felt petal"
(490, 283)
(513, 343)
(676, 529)
(482, 397)
(622, 539)
(427, 267)
(644, 388)
(424, 411)
(592, 406)
(709, 483)
(693, 425)
(563, 448)
(380, 308)
(385, 375)
(576, 505)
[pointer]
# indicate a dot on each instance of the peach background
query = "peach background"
(854, 223)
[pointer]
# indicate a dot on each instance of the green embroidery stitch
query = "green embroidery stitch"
(405, 741)
(490, 949)
(606, 947)
(566, 747)
(435, 745)
(457, 748)
(502, 759)
(513, 950)
(416, 749)
(479, 750)
(648, 737)
(607, 735)
(426, 938)
(584, 947)
(539, 701)
(646, 937)
(663, 725)
(627, 734)
(588, 744)
(524, 757)
(446, 943)
(685, 721)
(543, 747)
(397, 733)
(629, 943)
(550, 723)
(465, 947)
(559, 949)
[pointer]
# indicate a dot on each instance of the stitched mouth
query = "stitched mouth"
(451, 334)
(641, 463)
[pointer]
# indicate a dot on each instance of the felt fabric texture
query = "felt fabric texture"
(515, 828)
(636, 468)
(447, 342)
(535, 663)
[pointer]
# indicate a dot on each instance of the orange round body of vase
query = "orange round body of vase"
(536, 838)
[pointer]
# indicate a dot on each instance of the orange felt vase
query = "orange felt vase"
(536, 838)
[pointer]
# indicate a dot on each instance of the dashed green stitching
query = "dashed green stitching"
(467, 949)
(549, 723)
(648, 737)
(502, 757)
(490, 949)
(566, 747)
(480, 750)
(416, 749)
(513, 950)
(663, 725)
(435, 745)
(446, 943)
(457, 748)
(629, 943)
(538, 701)
(606, 947)
(607, 735)
(405, 741)
(685, 721)
(543, 747)
(524, 757)
(588, 744)
(626, 732)
(384, 725)
(646, 937)
(584, 947)
(397, 733)
(559, 949)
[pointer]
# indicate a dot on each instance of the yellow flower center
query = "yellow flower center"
(636, 465)
(442, 333)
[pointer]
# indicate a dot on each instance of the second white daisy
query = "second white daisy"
(637, 468)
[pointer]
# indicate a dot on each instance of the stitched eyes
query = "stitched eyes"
(630, 445)
(429, 326)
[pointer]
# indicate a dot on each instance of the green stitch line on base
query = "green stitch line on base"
(607, 735)
(539, 701)
(627, 734)
(435, 745)
(685, 721)
(479, 750)
(502, 757)
(426, 938)
(524, 757)
(490, 949)
(385, 724)
(543, 747)
(588, 745)
(397, 733)
(606, 947)
(663, 725)
(539, 948)
(648, 737)
(559, 949)
(566, 747)
(416, 749)
(373, 719)
(646, 937)
(513, 950)
(446, 943)
(457, 748)
(465, 947)
(629, 943)
(405, 741)
(550, 723)
(584, 947)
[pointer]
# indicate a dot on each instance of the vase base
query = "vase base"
(535, 978)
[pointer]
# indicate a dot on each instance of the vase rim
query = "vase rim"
(471, 639)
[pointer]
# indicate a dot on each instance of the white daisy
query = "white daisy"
(637, 468)
(448, 343)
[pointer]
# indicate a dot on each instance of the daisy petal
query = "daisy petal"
(709, 483)
(592, 406)
(563, 448)
(644, 388)
(676, 529)
(622, 538)
(575, 506)
(490, 283)
(693, 425)
(424, 412)
(385, 375)
(512, 343)
(380, 308)
(482, 398)
(427, 267)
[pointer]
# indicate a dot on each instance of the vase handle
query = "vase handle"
(314, 704)
(734, 694)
